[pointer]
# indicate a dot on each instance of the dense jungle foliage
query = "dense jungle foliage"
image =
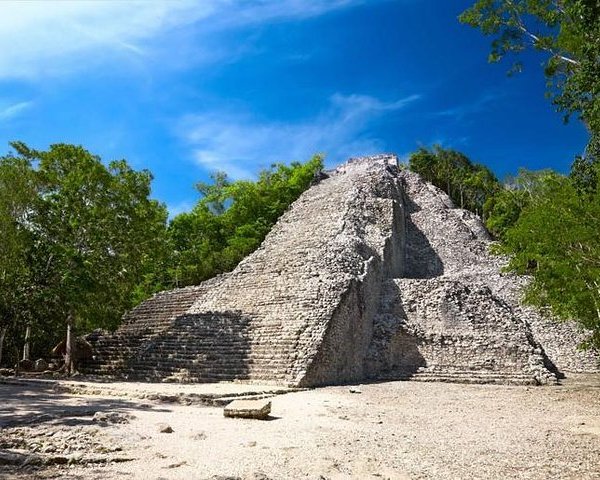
(83, 242)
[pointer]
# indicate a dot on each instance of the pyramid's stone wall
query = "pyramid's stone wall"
(299, 310)
(458, 240)
(371, 273)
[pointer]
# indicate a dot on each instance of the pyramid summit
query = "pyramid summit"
(372, 273)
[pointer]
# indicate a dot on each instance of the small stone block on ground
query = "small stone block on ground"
(258, 409)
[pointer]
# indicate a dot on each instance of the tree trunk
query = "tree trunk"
(69, 349)
(3, 331)
(27, 346)
(16, 351)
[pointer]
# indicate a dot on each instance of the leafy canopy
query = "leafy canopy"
(468, 184)
(503, 209)
(81, 234)
(549, 223)
(232, 218)
(17, 193)
(567, 31)
(556, 240)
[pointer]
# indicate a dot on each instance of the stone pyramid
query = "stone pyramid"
(372, 273)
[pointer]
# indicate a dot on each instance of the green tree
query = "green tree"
(566, 31)
(556, 240)
(94, 231)
(17, 194)
(468, 184)
(503, 209)
(231, 220)
(583, 170)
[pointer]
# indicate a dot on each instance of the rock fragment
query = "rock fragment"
(258, 409)
(164, 428)
(41, 365)
(110, 417)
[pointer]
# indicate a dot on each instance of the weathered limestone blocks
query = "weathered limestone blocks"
(299, 310)
(257, 409)
(442, 327)
(371, 273)
(316, 278)
(454, 243)
(113, 353)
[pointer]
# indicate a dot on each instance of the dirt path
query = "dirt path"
(396, 430)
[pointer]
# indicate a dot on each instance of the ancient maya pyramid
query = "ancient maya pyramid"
(372, 273)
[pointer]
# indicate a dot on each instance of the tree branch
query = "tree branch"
(536, 39)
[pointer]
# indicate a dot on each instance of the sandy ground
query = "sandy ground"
(394, 430)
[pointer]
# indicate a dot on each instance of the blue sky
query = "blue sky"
(184, 88)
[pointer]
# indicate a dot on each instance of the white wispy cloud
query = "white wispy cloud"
(47, 38)
(41, 38)
(8, 112)
(481, 104)
(240, 144)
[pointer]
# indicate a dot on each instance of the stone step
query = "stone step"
(204, 335)
(166, 365)
(227, 375)
(212, 350)
(224, 361)
(467, 376)
(203, 355)
(204, 365)
(201, 378)
(215, 331)
(279, 365)
(184, 346)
